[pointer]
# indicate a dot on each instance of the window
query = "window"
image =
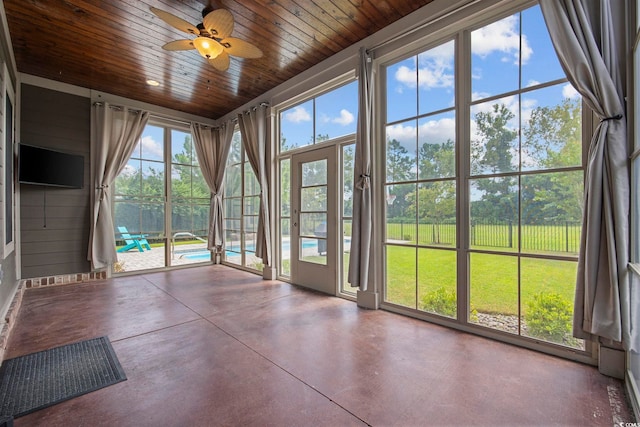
(162, 198)
(8, 165)
(319, 119)
(505, 207)
(633, 361)
(241, 207)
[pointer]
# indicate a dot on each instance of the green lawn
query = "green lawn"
(493, 278)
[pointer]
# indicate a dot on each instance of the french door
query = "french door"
(313, 244)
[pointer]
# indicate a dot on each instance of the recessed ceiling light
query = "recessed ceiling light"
(153, 83)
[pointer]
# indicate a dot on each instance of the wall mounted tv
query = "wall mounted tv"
(42, 166)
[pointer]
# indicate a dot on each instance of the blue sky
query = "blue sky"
(507, 55)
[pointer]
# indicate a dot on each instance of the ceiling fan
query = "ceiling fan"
(212, 41)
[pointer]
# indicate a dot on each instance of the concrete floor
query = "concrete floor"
(212, 345)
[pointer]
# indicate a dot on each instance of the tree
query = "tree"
(436, 160)
(399, 169)
(491, 153)
(553, 139)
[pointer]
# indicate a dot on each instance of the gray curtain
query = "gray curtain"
(115, 133)
(589, 38)
(253, 127)
(212, 148)
(359, 258)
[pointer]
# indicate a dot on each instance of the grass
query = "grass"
(493, 278)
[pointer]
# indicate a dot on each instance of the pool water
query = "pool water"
(206, 256)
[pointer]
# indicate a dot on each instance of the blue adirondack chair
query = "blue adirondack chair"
(131, 241)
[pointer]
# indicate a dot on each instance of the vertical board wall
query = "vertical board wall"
(54, 222)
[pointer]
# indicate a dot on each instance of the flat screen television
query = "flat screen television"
(42, 166)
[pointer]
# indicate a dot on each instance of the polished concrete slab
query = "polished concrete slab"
(212, 345)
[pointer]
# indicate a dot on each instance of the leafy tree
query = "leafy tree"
(436, 160)
(491, 154)
(399, 169)
(553, 139)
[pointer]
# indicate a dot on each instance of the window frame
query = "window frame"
(8, 151)
(401, 49)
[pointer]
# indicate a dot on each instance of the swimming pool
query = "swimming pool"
(306, 244)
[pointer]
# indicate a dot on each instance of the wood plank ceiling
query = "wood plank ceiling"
(115, 46)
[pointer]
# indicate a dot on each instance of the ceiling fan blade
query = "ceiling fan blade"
(220, 62)
(219, 23)
(241, 48)
(179, 45)
(176, 22)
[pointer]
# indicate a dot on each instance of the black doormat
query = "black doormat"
(42, 379)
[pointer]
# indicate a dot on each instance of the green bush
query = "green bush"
(444, 302)
(549, 317)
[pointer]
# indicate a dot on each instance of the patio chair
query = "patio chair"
(133, 240)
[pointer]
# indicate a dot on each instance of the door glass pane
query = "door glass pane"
(313, 250)
(313, 199)
(314, 173)
(346, 251)
(348, 154)
(313, 224)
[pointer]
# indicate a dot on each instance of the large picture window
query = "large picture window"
(501, 202)
(633, 357)
(161, 209)
(241, 207)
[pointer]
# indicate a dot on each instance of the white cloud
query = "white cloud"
(568, 91)
(346, 118)
(435, 69)
(128, 171)
(405, 135)
(297, 115)
(501, 36)
(531, 83)
(151, 149)
(438, 131)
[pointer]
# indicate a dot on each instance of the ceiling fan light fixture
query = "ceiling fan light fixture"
(207, 47)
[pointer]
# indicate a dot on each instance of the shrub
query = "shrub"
(549, 317)
(444, 302)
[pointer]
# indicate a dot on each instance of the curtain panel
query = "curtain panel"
(212, 148)
(362, 222)
(115, 133)
(253, 127)
(589, 38)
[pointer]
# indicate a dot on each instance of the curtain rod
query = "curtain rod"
(116, 107)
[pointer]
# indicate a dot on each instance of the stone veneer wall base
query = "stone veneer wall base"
(40, 282)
